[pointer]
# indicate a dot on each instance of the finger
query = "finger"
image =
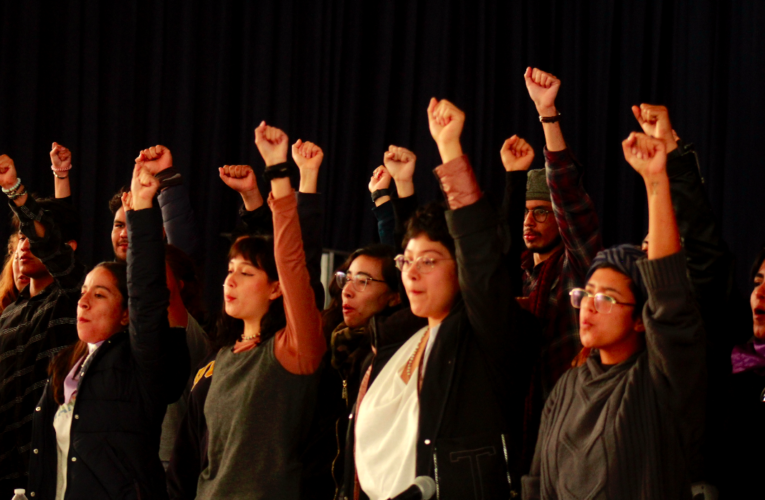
(259, 131)
(527, 74)
(432, 107)
(638, 114)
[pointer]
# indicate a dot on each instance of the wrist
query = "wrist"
(449, 151)
(141, 204)
(276, 160)
(404, 188)
(252, 199)
(382, 200)
(547, 111)
(309, 180)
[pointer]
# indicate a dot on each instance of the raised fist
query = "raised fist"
(155, 159)
(7, 172)
(127, 201)
(648, 156)
(272, 144)
(60, 157)
(516, 154)
(400, 163)
(143, 187)
(543, 89)
(445, 121)
(307, 155)
(240, 178)
(380, 179)
(654, 120)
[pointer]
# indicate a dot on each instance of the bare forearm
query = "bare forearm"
(62, 188)
(252, 200)
(553, 133)
(662, 226)
(281, 187)
(309, 180)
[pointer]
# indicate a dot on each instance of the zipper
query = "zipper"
(513, 494)
(334, 461)
(345, 391)
(435, 469)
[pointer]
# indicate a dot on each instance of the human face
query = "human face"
(119, 236)
(432, 294)
(100, 313)
(617, 334)
(247, 292)
(358, 307)
(757, 301)
(29, 265)
(540, 237)
(19, 279)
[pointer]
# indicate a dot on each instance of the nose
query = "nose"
(83, 302)
(759, 290)
(412, 272)
(229, 282)
(528, 219)
(24, 245)
(348, 290)
(123, 233)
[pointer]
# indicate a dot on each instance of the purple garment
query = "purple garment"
(748, 357)
(72, 379)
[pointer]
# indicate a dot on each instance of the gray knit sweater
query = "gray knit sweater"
(623, 433)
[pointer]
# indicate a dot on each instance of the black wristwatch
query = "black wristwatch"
(376, 195)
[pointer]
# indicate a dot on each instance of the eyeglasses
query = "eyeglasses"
(423, 264)
(360, 281)
(539, 214)
(603, 303)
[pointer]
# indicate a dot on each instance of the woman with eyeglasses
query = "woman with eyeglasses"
(619, 425)
(445, 400)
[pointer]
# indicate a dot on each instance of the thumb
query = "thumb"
(638, 115)
(432, 106)
(527, 74)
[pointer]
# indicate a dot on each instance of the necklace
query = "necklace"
(410, 362)
(251, 337)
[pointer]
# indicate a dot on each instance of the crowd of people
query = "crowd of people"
(473, 352)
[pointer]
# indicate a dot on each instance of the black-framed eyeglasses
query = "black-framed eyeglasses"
(360, 281)
(423, 263)
(540, 214)
(603, 303)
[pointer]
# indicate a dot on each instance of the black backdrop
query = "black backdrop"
(110, 78)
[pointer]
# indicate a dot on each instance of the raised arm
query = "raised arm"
(177, 215)
(61, 164)
(147, 287)
(473, 224)
(574, 210)
(378, 188)
(45, 239)
(300, 346)
(517, 156)
(308, 158)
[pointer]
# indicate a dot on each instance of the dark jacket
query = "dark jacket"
(123, 391)
(472, 396)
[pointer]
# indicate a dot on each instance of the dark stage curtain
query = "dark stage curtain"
(107, 79)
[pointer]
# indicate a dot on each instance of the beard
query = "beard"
(549, 247)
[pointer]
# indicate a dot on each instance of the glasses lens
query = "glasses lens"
(426, 264)
(360, 282)
(577, 294)
(603, 303)
(340, 279)
(400, 262)
(540, 214)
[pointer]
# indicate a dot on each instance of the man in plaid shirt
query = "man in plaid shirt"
(560, 231)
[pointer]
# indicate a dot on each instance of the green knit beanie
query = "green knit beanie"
(536, 185)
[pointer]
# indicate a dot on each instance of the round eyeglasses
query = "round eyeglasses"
(423, 264)
(360, 281)
(603, 303)
(539, 214)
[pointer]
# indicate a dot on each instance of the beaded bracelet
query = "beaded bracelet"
(14, 188)
(17, 195)
(61, 169)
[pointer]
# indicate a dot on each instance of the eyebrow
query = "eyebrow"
(369, 275)
(606, 289)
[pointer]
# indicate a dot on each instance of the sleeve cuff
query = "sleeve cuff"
(665, 272)
(283, 204)
(458, 182)
(559, 158)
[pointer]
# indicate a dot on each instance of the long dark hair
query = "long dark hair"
(333, 314)
(259, 250)
(62, 364)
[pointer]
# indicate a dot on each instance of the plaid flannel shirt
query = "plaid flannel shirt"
(579, 230)
(32, 331)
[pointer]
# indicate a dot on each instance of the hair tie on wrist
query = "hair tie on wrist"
(376, 195)
(278, 171)
(61, 169)
(550, 119)
(14, 188)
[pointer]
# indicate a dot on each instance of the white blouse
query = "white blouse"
(387, 425)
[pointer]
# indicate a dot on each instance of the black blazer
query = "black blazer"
(474, 389)
(123, 391)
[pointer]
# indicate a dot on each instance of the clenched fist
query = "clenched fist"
(307, 155)
(543, 89)
(143, 187)
(7, 172)
(516, 154)
(155, 159)
(60, 157)
(445, 121)
(240, 178)
(272, 144)
(648, 156)
(654, 120)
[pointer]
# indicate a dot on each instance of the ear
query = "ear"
(639, 325)
(394, 300)
(125, 319)
(72, 244)
(276, 291)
